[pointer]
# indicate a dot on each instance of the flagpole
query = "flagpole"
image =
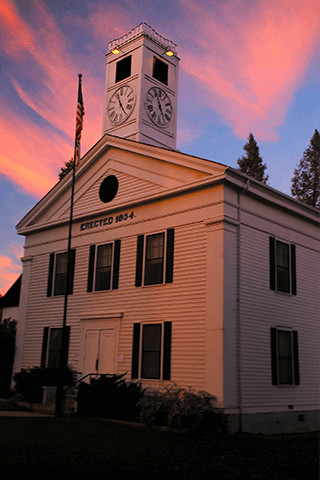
(59, 410)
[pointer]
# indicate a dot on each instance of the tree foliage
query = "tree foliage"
(64, 170)
(7, 349)
(252, 164)
(306, 179)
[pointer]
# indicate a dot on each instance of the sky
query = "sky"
(246, 66)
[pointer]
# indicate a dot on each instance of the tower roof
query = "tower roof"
(143, 29)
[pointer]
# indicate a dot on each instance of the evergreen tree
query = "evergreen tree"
(252, 163)
(306, 179)
(67, 167)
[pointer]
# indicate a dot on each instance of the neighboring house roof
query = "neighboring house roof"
(11, 298)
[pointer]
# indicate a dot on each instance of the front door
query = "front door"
(99, 352)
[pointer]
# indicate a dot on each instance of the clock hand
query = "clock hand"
(118, 96)
(159, 105)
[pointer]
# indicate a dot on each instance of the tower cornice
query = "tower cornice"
(143, 29)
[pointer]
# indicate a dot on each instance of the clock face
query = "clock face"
(158, 107)
(121, 104)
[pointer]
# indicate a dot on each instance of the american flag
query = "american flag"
(79, 121)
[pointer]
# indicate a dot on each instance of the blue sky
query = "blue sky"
(245, 67)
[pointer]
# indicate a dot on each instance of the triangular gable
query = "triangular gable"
(142, 171)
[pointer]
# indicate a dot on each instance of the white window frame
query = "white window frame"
(95, 267)
(277, 241)
(141, 350)
(287, 330)
(164, 232)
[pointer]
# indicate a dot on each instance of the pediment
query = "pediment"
(142, 171)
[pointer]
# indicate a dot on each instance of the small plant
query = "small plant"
(110, 396)
(181, 408)
(29, 382)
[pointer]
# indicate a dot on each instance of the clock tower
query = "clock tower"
(141, 88)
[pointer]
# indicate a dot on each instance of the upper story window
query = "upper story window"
(57, 275)
(103, 269)
(284, 356)
(154, 264)
(160, 70)
(154, 259)
(123, 69)
(282, 266)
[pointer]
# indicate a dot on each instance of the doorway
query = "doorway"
(99, 351)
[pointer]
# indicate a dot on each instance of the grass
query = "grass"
(80, 448)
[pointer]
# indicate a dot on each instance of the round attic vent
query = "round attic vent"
(108, 188)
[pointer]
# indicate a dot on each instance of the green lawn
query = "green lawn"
(83, 448)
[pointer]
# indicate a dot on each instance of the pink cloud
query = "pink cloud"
(187, 133)
(15, 32)
(31, 154)
(9, 272)
(250, 57)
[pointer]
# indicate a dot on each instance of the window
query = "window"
(123, 69)
(103, 270)
(57, 275)
(154, 259)
(284, 355)
(160, 70)
(51, 347)
(282, 266)
(154, 264)
(151, 351)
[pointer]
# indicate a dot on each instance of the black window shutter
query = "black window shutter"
(116, 264)
(293, 271)
(92, 253)
(167, 351)
(44, 347)
(169, 260)
(72, 264)
(67, 338)
(50, 275)
(274, 362)
(139, 261)
(135, 350)
(296, 358)
(272, 263)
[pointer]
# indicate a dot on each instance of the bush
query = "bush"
(110, 396)
(181, 408)
(7, 348)
(29, 381)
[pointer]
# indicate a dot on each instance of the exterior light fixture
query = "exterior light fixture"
(169, 52)
(116, 50)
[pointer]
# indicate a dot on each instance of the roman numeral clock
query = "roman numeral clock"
(159, 106)
(121, 105)
(141, 88)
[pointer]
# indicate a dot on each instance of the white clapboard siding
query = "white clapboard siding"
(183, 302)
(130, 189)
(262, 308)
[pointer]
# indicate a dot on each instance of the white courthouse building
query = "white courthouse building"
(184, 270)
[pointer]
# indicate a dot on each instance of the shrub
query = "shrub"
(29, 381)
(29, 385)
(110, 396)
(7, 348)
(181, 408)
